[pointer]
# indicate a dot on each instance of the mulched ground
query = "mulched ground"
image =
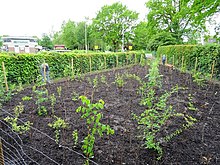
(199, 144)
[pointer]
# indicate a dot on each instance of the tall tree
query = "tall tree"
(69, 34)
(141, 36)
(46, 42)
(115, 24)
(180, 17)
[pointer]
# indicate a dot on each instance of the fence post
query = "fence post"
(5, 78)
(213, 66)
(1, 153)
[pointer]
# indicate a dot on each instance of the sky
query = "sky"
(35, 17)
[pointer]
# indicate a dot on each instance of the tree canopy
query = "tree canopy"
(115, 24)
(180, 17)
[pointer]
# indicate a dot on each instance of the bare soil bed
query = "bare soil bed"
(199, 144)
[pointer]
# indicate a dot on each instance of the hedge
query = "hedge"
(187, 55)
(25, 68)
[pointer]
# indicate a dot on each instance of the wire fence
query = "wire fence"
(17, 152)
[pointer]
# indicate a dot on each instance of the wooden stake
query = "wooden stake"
(182, 61)
(90, 63)
(105, 62)
(72, 66)
(213, 66)
(5, 78)
(196, 63)
(135, 58)
(116, 61)
(141, 59)
(1, 153)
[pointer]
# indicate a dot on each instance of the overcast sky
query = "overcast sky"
(35, 17)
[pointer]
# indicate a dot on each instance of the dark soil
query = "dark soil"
(198, 144)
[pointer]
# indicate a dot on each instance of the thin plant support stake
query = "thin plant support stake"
(116, 61)
(105, 62)
(90, 63)
(196, 63)
(141, 59)
(5, 78)
(213, 66)
(135, 59)
(182, 62)
(72, 66)
(1, 153)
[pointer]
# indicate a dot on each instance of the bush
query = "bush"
(206, 55)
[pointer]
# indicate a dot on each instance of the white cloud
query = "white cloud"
(34, 17)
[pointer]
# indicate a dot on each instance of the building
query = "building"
(19, 44)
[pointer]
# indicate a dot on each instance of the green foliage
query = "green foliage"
(119, 81)
(26, 98)
(205, 55)
(161, 39)
(42, 111)
(190, 103)
(41, 97)
(141, 36)
(25, 68)
(91, 112)
(174, 16)
(53, 102)
(57, 125)
(197, 78)
(59, 90)
(75, 137)
(19, 128)
(113, 22)
(46, 42)
(154, 77)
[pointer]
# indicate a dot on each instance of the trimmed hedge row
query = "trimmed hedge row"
(186, 55)
(25, 68)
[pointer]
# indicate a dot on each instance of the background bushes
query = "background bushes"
(206, 55)
(25, 68)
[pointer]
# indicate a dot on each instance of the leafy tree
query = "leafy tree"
(141, 36)
(114, 22)
(57, 38)
(161, 39)
(69, 35)
(46, 42)
(180, 17)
